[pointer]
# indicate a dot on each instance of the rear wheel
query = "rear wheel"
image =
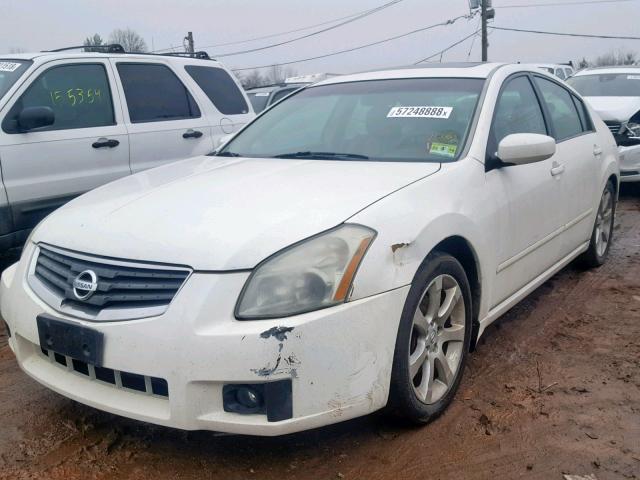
(433, 340)
(602, 233)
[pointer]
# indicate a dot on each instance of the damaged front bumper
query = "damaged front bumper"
(337, 361)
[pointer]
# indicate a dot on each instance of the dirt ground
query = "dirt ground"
(579, 415)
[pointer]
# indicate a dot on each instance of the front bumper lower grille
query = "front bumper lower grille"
(121, 289)
(126, 380)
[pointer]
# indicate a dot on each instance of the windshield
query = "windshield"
(607, 85)
(384, 120)
(258, 100)
(10, 71)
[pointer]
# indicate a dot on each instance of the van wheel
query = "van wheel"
(433, 340)
(602, 233)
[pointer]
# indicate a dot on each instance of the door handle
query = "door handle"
(557, 169)
(597, 151)
(192, 134)
(105, 143)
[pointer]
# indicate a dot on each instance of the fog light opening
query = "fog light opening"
(249, 398)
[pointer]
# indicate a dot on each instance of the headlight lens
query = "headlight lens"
(634, 129)
(310, 275)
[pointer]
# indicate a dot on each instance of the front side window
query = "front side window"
(565, 118)
(78, 94)
(10, 72)
(155, 94)
(517, 111)
(220, 88)
(607, 84)
(412, 120)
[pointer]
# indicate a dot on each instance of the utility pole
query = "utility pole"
(190, 47)
(485, 40)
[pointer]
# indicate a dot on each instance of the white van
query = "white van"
(73, 121)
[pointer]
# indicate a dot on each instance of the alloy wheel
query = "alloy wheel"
(604, 223)
(437, 339)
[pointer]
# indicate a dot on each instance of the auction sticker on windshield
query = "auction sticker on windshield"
(420, 112)
(9, 66)
(444, 149)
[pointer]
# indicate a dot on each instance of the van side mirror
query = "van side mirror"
(32, 118)
(525, 148)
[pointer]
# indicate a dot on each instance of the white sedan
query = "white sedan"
(343, 253)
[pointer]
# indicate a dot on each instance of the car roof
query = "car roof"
(44, 56)
(436, 70)
(606, 70)
(273, 88)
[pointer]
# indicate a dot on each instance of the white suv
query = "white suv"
(73, 121)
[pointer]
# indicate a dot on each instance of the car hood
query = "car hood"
(615, 109)
(216, 213)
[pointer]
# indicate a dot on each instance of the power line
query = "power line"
(474, 34)
(285, 42)
(263, 37)
(563, 34)
(559, 4)
(413, 32)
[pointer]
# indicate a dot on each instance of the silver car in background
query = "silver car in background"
(614, 93)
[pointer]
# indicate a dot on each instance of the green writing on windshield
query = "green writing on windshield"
(76, 96)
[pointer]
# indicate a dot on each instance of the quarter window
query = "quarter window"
(517, 111)
(78, 94)
(220, 88)
(565, 118)
(155, 94)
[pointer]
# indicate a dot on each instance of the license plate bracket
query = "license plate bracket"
(69, 339)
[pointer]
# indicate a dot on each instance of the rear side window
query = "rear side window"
(560, 73)
(565, 118)
(583, 113)
(155, 94)
(517, 111)
(220, 88)
(78, 94)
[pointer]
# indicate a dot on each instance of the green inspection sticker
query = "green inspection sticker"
(445, 149)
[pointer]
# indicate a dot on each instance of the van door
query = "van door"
(85, 147)
(229, 109)
(164, 121)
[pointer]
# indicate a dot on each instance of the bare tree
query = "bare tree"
(277, 74)
(253, 79)
(93, 41)
(129, 39)
(619, 57)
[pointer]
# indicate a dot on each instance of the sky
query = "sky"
(34, 25)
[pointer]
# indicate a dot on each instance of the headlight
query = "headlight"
(315, 273)
(634, 129)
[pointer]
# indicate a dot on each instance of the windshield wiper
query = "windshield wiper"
(227, 154)
(323, 156)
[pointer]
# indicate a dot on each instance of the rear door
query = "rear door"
(164, 121)
(86, 146)
(228, 108)
(577, 158)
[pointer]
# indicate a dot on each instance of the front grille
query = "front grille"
(129, 381)
(118, 285)
(614, 127)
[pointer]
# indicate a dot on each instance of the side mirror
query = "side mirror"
(31, 118)
(525, 148)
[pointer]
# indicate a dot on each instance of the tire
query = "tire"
(598, 251)
(444, 334)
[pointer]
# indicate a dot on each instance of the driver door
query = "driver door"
(530, 219)
(86, 146)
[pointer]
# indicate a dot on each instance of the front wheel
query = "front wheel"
(602, 233)
(433, 340)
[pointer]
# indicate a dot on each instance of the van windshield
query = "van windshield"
(10, 72)
(416, 120)
(607, 85)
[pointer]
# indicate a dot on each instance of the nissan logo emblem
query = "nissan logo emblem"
(85, 284)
